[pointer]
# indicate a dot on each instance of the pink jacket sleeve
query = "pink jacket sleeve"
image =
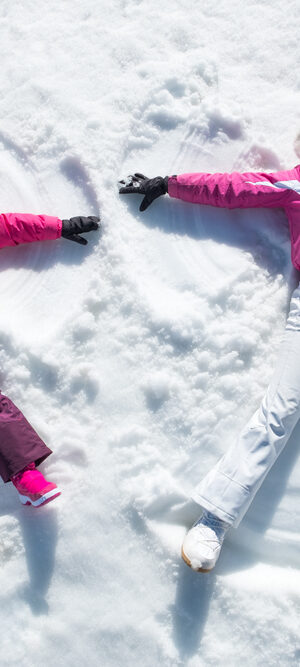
(248, 190)
(237, 190)
(16, 228)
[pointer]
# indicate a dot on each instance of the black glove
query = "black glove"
(141, 185)
(79, 225)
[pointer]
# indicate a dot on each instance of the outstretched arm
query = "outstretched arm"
(235, 190)
(247, 190)
(16, 228)
(279, 189)
(250, 189)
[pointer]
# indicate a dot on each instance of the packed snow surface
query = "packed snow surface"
(139, 357)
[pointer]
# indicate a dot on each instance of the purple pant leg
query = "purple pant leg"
(19, 442)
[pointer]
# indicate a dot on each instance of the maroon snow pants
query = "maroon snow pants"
(19, 442)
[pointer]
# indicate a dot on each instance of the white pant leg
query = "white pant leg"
(229, 488)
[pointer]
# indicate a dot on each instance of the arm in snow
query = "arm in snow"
(16, 228)
(251, 189)
(237, 190)
(247, 190)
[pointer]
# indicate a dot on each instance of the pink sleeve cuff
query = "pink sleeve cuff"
(173, 187)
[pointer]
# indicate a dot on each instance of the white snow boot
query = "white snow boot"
(202, 544)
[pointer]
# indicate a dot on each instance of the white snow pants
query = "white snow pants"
(229, 488)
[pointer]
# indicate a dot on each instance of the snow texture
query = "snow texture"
(139, 357)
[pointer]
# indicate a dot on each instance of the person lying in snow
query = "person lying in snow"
(227, 491)
(21, 448)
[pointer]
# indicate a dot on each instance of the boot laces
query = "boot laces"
(216, 527)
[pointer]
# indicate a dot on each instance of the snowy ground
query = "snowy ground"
(139, 357)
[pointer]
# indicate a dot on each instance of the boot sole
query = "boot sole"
(188, 562)
(43, 500)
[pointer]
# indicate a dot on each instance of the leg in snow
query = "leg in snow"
(21, 450)
(229, 488)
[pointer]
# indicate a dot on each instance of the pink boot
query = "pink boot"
(32, 487)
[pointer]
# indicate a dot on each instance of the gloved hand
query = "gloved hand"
(141, 185)
(79, 225)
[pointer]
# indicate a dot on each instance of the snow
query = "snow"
(139, 357)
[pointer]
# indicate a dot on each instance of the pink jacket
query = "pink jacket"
(280, 189)
(18, 228)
